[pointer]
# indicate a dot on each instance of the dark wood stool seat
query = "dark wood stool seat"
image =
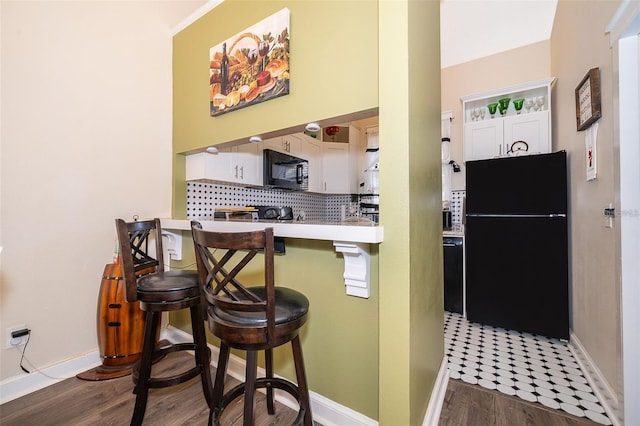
(161, 291)
(255, 318)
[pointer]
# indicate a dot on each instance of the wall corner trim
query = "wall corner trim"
(432, 416)
(624, 22)
(201, 11)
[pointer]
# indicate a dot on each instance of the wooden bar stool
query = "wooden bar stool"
(160, 291)
(250, 318)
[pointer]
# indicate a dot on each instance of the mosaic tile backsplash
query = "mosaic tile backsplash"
(204, 198)
(457, 200)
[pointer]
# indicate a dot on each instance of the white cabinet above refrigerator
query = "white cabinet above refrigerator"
(522, 128)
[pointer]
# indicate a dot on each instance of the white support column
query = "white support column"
(356, 267)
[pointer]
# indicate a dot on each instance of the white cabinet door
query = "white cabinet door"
(245, 164)
(336, 168)
(274, 144)
(532, 128)
(289, 144)
(209, 167)
(483, 139)
(292, 144)
(238, 165)
(311, 150)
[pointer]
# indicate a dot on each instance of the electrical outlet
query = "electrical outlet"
(12, 342)
(173, 244)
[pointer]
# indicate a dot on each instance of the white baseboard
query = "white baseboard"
(597, 381)
(24, 384)
(432, 416)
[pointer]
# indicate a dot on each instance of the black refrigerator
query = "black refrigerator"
(517, 243)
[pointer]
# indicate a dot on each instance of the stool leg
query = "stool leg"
(268, 360)
(218, 387)
(144, 373)
(202, 354)
(302, 378)
(250, 388)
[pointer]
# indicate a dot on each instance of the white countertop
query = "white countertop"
(360, 232)
(456, 233)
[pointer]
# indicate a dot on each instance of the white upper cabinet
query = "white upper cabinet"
(335, 167)
(522, 128)
(204, 167)
(292, 144)
(332, 165)
(340, 164)
(289, 144)
(275, 144)
(240, 164)
(311, 150)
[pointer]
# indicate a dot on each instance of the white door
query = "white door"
(625, 30)
(629, 220)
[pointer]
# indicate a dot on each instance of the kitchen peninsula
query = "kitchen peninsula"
(352, 239)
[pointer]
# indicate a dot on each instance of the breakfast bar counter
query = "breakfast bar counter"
(351, 238)
(353, 231)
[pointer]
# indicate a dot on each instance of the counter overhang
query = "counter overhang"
(350, 239)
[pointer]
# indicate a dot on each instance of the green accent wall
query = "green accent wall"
(340, 338)
(411, 300)
(378, 356)
(333, 68)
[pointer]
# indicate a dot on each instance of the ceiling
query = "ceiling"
(472, 29)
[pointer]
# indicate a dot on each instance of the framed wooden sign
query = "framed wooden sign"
(588, 108)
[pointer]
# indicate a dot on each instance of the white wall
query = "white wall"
(578, 44)
(85, 138)
(492, 72)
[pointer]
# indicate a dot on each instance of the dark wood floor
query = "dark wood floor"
(472, 405)
(110, 402)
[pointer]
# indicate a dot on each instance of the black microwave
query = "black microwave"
(285, 171)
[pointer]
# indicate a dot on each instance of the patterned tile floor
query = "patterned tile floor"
(534, 368)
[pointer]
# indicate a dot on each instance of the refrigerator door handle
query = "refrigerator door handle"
(517, 215)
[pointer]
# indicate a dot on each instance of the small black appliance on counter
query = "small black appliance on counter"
(236, 213)
(274, 212)
(279, 213)
(447, 220)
